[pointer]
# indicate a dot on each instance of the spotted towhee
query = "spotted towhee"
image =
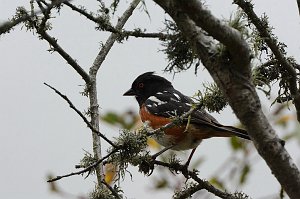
(160, 103)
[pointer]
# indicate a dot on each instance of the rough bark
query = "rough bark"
(233, 76)
(94, 107)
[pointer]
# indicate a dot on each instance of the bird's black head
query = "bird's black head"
(146, 85)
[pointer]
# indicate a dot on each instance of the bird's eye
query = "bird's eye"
(141, 85)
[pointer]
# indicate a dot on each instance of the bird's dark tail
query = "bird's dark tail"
(238, 132)
(243, 133)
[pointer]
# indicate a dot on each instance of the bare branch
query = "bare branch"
(52, 41)
(88, 169)
(112, 38)
(82, 116)
(56, 47)
(110, 28)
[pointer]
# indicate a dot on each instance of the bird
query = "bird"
(159, 103)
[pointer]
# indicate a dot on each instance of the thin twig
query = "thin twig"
(112, 38)
(8, 25)
(81, 115)
(114, 192)
(273, 44)
(88, 169)
(112, 29)
(53, 42)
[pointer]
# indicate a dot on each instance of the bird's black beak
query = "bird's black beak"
(130, 92)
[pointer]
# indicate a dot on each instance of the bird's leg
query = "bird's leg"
(189, 159)
(162, 151)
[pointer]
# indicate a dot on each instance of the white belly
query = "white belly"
(189, 142)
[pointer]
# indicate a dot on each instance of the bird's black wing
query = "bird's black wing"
(171, 103)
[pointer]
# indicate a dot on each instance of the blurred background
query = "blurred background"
(41, 136)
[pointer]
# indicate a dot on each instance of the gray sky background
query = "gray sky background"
(40, 134)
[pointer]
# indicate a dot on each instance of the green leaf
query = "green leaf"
(244, 174)
(126, 120)
(162, 183)
(218, 183)
(236, 144)
(111, 118)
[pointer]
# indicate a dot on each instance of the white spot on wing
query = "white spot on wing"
(176, 95)
(156, 100)
(175, 100)
(159, 93)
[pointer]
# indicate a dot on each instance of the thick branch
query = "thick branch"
(7, 26)
(298, 3)
(227, 35)
(237, 86)
(193, 174)
(187, 193)
(116, 195)
(203, 18)
(94, 107)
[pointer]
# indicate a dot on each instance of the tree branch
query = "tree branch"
(298, 3)
(112, 38)
(8, 25)
(187, 193)
(92, 90)
(56, 47)
(82, 116)
(274, 46)
(110, 28)
(227, 35)
(115, 147)
(193, 174)
(117, 196)
(236, 84)
(88, 169)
